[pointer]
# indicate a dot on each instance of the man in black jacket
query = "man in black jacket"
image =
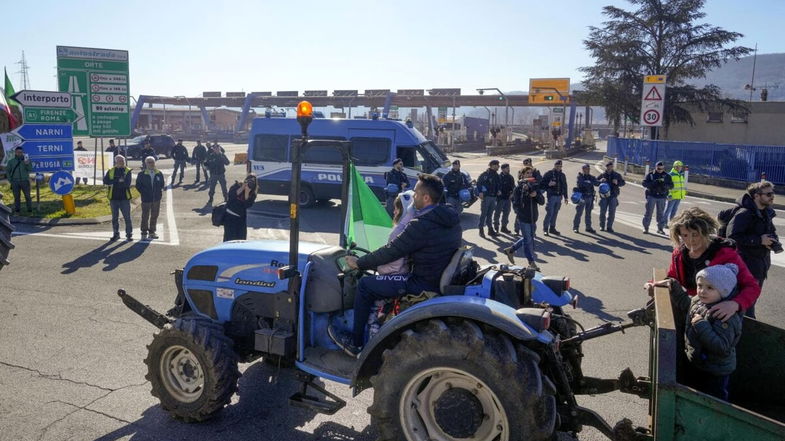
(488, 188)
(180, 156)
(147, 151)
(752, 228)
(398, 178)
(506, 186)
(199, 155)
(610, 201)
(216, 162)
(554, 183)
(150, 183)
(658, 185)
(429, 239)
(455, 181)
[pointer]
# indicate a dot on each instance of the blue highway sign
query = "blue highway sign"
(45, 131)
(52, 164)
(48, 148)
(61, 183)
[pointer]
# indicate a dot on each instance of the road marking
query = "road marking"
(174, 237)
(103, 236)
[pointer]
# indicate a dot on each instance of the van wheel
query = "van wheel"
(451, 382)
(307, 198)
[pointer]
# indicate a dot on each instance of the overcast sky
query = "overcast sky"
(186, 47)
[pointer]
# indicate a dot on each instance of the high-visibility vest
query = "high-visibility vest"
(678, 191)
(111, 178)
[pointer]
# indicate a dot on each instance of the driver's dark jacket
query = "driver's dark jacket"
(429, 240)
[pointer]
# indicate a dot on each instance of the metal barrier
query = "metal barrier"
(745, 163)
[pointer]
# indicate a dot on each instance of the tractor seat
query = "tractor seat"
(457, 272)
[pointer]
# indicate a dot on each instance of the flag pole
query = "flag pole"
(346, 151)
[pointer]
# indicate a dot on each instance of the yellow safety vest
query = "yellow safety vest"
(111, 177)
(678, 191)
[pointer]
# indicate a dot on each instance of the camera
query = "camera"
(776, 247)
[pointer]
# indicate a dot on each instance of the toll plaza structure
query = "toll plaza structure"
(384, 99)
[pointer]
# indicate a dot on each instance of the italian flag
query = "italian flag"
(6, 102)
(367, 223)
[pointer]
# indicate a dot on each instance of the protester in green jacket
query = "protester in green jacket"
(18, 170)
(678, 192)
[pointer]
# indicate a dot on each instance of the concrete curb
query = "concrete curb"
(135, 203)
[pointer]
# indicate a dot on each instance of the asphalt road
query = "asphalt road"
(71, 354)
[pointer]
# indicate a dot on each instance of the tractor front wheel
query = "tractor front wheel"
(455, 381)
(192, 369)
(5, 234)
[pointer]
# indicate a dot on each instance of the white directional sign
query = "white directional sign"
(653, 100)
(42, 98)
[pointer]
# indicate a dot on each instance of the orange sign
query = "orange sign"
(549, 91)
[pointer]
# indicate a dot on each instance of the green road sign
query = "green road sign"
(49, 115)
(97, 79)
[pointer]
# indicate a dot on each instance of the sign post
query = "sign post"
(97, 79)
(653, 100)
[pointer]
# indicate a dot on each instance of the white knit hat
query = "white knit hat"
(721, 277)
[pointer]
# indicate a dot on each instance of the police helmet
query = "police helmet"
(577, 198)
(605, 190)
(391, 189)
(465, 195)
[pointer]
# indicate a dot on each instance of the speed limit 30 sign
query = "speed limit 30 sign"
(653, 100)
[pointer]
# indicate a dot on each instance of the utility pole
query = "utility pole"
(23, 71)
(752, 82)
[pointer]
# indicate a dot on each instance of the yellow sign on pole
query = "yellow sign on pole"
(654, 79)
(549, 91)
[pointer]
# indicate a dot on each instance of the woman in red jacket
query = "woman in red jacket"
(695, 247)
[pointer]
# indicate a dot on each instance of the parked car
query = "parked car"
(162, 144)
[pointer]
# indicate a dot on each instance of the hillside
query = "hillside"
(731, 78)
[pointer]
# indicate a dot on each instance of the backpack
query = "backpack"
(219, 211)
(724, 217)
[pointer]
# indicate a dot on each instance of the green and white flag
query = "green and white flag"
(367, 223)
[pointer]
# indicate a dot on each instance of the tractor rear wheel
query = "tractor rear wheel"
(192, 369)
(5, 234)
(454, 381)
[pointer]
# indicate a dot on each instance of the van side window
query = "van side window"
(322, 154)
(408, 155)
(270, 147)
(371, 151)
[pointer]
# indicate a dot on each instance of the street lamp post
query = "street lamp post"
(506, 101)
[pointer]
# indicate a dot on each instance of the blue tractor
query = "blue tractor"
(493, 356)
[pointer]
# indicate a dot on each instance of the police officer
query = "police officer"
(585, 185)
(657, 184)
(147, 151)
(554, 183)
(608, 204)
(398, 178)
(503, 203)
(488, 186)
(454, 182)
(199, 155)
(216, 162)
(180, 156)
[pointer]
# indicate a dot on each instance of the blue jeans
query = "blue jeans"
(502, 208)
(123, 207)
(671, 208)
(651, 204)
(526, 241)
(608, 204)
(373, 288)
(551, 211)
(486, 211)
(390, 204)
(587, 206)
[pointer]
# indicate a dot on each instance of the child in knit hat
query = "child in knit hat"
(710, 344)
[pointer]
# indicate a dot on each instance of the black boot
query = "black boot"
(482, 233)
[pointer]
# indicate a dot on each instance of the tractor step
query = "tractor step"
(330, 404)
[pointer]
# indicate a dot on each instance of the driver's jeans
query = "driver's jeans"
(381, 287)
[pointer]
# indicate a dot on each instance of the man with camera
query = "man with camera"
(658, 184)
(752, 228)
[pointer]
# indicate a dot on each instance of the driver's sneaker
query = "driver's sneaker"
(344, 340)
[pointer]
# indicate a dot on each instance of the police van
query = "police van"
(375, 145)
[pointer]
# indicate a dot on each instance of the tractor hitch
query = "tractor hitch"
(156, 318)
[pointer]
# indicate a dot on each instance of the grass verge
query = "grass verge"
(90, 200)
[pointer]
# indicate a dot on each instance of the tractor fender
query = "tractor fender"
(481, 310)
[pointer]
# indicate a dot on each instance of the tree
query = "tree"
(659, 37)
